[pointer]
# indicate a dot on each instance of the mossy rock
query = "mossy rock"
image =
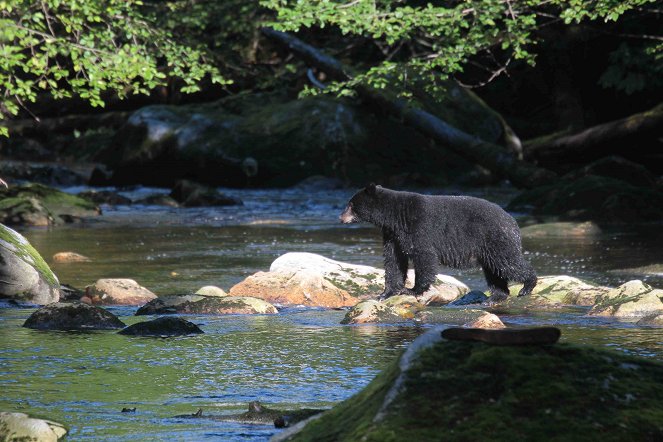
(206, 305)
(164, 326)
(401, 309)
(555, 290)
(633, 299)
(449, 315)
(36, 204)
(72, 316)
(603, 199)
(463, 391)
(24, 275)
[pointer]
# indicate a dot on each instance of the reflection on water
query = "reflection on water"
(299, 358)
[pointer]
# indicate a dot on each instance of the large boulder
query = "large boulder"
(207, 305)
(21, 427)
(39, 205)
(72, 316)
(459, 391)
(313, 280)
(633, 299)
(271, 139)
(553, 290)
(110, 291)
(191, 194)
(24, 275)
(591, 197)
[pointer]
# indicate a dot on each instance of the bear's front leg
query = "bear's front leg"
(395, 266)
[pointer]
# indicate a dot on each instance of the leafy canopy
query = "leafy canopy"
(87, 47)
(434, 40)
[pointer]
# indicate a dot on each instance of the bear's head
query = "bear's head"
(361, 206)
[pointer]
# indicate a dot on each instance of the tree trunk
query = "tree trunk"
(493, 157)
(628, 137)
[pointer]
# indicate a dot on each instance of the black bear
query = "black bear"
(457, 231)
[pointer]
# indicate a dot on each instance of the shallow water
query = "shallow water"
(298, 358)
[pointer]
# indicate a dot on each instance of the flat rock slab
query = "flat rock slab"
(21, 427)
(72, 316)
(207, 305)
(164, 326)
(507, 336)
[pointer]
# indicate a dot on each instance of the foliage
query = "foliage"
(436, 40)
(88, 47)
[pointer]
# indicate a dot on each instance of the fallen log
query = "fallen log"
(627, 137)
(493, 157)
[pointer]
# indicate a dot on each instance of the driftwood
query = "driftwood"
(493, 157)
(627, 137)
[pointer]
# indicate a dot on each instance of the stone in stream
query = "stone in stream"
(633, 299)
(260, 414)
(72, 316)
(110, 291)
(164, 326)
(206, 305)
(17, 427)
(24, 275)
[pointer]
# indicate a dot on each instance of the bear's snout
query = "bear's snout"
(348, 216)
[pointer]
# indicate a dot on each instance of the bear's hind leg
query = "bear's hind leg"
(395, 267)
(499, 289)
(529, 281)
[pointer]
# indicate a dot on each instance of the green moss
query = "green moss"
(56, 202)
(472, 391)
(15, 242)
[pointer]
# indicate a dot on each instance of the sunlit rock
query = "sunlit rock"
(69, 257)
(206, 305)
(449, 315)
(313, 280)
(633, 299)
(371, 311)
(21, 427)
(558, 289)
(587, 228)
(24, 275)
(117, 292)
(164, 326)
(211, 290)
(72, 316)
(487, 320)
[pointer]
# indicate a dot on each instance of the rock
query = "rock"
(68, 257)
(558, 289)
(449, 316)
(472, 297)
(191, 194)
(273, 140)
(164, 326)
(118, 292)
(592, 197)
(488, 320)
(442, 389)
(21, 427)
(72, 316)
(24, 275)
(619, 168)
(587, 228)
(105, 197)
(318, 183)
(206, 305)
(158, 199)
(260, 414)
(395, 309)
(444, 290)
(38, 205)
(313, 280)
(50, 174)
(511, 336)
(633, 299)
(211, 290)
(656, 319)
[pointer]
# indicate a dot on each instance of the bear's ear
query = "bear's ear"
(371, 189)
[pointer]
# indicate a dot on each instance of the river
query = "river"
(298, 358)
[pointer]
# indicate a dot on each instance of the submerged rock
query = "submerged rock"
(69, 257)
(633, 299)
(118, 292)
(568, 228)
(450, 316)
(314, 280)
(72, 316)
(190, 194)
(21, 427)
(371, 311)
(105, 197)
(260, 414)
(24, 275)
(207, 305)
(39, 205)
(462, 391)
(164, 326)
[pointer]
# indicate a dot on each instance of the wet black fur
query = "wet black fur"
(456, 231)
